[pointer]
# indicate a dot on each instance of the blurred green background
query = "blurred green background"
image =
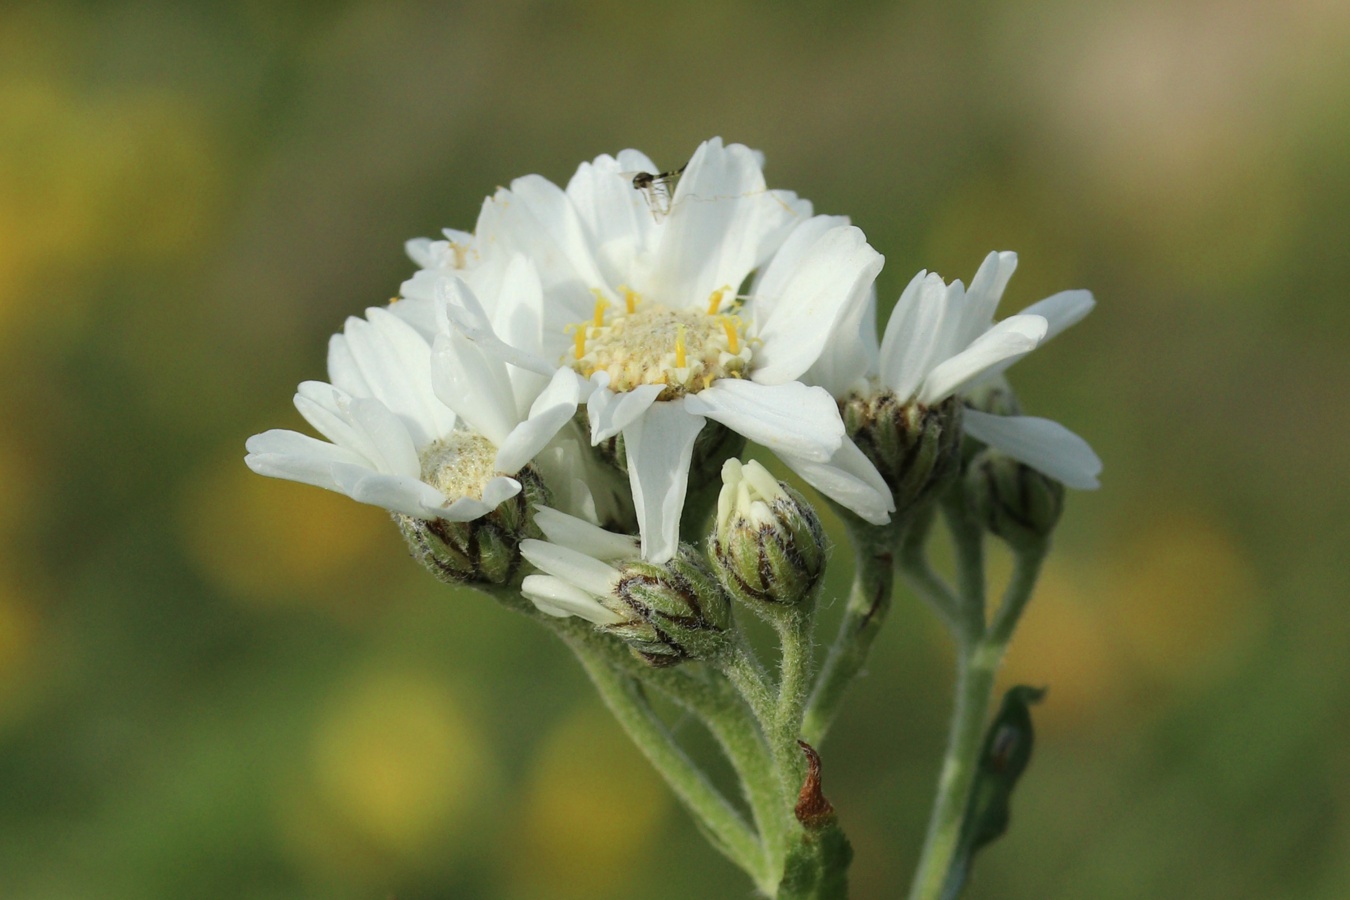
(218, 685)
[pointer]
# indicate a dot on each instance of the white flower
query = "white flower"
(942, 340)
(640, 296)
(423, 425)
(577, 559)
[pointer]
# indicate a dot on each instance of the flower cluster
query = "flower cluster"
(554, 410)
(642, 328)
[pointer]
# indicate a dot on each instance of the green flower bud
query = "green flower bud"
(671, 612)
(1013, 500)
(484, 550)
(995, 397)
(768, 546)
(916, 448)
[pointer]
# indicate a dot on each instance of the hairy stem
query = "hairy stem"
(626, 700)
(868, 603)
(980, 652)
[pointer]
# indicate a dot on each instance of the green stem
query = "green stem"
(922, 580)
(742, 668)
(723, 711)
(743, 744)
(975, 671)
(794, 683)
(968, 537)
(1026, 570)
(630, 707)
(980, 652)
(868, 603)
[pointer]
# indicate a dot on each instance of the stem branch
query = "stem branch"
(980, 652)
(868, 603)
(625, 699)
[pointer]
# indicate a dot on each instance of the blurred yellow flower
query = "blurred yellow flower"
(270, 541)
(593, 808)
(399, 760)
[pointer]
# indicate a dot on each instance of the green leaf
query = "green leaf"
(1006, 753)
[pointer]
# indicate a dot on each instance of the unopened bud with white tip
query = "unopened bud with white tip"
(767, 546)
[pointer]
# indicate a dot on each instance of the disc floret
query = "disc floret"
(638, 341)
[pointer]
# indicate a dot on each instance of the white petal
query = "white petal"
(342, 369)
(986, 289)
(536, 219)
(517, 310)
(584, 537)
(394, 450)
(457, 308)
(552, 409)
(611, 412)
(419, 312)
(591, 575)
(791, 418)
(914, 340)
(722, 224)
(558, 598)
(832, 277)
(1014, 337)
(419, 251)
(413, 354)
(328, 409)
(848, 479)
(396, 363)
(499, 489)
(397, 493)
(851, 354)
(617, 215)
(660, 445)
(475, 385)
(1044, 445)
(298, 457)
(1062, 310)
(771, 281)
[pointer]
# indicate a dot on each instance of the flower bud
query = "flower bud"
(768, 546)
(994, 396)
(672, 612)
(915, 448)
(1013, 500)
(482, 550)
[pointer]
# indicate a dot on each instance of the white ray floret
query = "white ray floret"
(576, 560)
(942, 340)
(427, 425)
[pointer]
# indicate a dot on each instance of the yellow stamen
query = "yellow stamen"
(600, 305)
(715, 301)
(733, 342)
(581, 340)
(679, 348)
(630, 297)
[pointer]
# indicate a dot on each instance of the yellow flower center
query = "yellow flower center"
(642, 342)
(460, 464)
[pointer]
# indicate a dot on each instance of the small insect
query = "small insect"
(658, 189)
